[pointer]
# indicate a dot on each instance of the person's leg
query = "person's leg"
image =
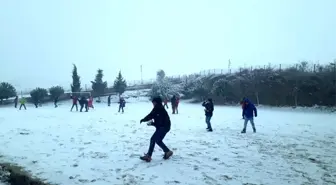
(119, 108)
(152, 143)
(252, 123)
(81, 107)
(176, 109)
(122, 109)
(76, 107)
(24, 106)
(20, 106)
(161, 133)
(245, 124)
(15, 105)
(207, 120)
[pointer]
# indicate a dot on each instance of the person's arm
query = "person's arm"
(150, 116)
(255, 111)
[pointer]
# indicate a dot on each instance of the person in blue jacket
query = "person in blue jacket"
(249, 111)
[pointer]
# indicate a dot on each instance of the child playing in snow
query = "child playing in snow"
(90, 102)
(23, 103)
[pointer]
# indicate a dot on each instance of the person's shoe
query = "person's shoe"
(243, 131)
(167, 155)
(209, 129)
(254, 130)
(146, 158)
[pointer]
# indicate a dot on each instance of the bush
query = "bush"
(38, 95)
(7, 90)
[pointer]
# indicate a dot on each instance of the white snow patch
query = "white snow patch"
(103, 147)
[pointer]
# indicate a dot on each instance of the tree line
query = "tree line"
(299, 85)
(39, 94)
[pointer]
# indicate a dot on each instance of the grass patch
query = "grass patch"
(18, 176)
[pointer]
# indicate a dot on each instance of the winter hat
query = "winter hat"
(157, 100)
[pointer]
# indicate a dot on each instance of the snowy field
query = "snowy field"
(102, 147)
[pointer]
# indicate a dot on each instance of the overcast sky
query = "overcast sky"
(40, 39)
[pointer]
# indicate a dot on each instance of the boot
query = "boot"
(146, 158)
(243, 131)
(209, 129)
(254, 130)
(167, 155)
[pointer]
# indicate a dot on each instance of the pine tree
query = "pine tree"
(120, 84)
(98, 85)
(7, 90)
(76, 84)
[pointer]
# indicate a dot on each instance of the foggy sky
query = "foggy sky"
(40, 39)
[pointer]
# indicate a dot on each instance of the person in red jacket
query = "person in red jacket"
(74, 102)
(90, 103)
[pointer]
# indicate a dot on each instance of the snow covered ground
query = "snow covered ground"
(102, 147)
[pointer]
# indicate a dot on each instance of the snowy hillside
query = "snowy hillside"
(102, 147)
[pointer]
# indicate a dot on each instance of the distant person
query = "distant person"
(249, 110)
(165, 102)
(177, 103)
(162, 124)
(23, 103)
(83, 102)
(109, 100)
(90, 102)
(55, 102)
(74, 102)
(173, 103)
(122, 104)
(209, 108)
(16, 100)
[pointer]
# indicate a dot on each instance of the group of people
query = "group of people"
(249, 111)
(159, 118)
(83, 102)
(175, 100)
(22, 102)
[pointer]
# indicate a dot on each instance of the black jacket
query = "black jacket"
(160, 116)
(173, 101)
(209, 108)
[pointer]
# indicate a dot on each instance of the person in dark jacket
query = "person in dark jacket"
(55, 102)
(165, 102)
(122, 104)
(16, 100)
(83, 102)
(249, 110)
(209, 108)
(109, 100)
(162, 124)
(74, 102)
(173, 103)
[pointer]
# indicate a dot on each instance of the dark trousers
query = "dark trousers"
(121, 108)
(207, 121)
(24, 106)
(74, 105)
(157, 138)
(15, 104)
(82, 106)
(174, 109)
(55, 104)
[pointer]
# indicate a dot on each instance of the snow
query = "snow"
(102, 147)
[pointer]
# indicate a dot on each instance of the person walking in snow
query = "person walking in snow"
(209, 108)
(177, 103)
(173, 103)
(109, 100)
(55, 102)
(165, 102)
(122, 104)
(90, 102)
(249, 110)
(83, 102)
(23, 103)
(74, 102)
(16, 100)
(162, 124)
